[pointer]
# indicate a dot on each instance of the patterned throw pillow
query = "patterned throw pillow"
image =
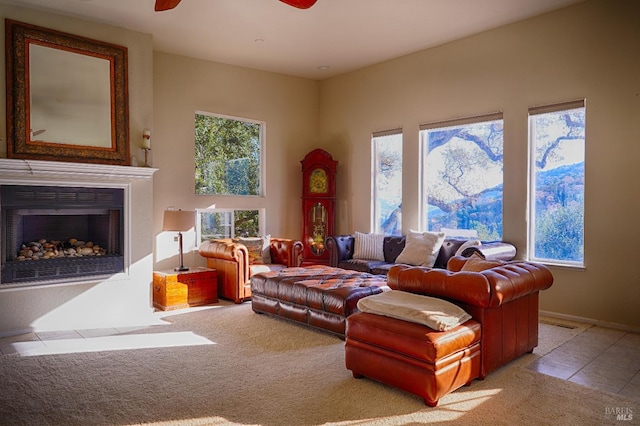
(421, 248)
(477, 264)
(368, 246)
(467, 244)
(258, 248)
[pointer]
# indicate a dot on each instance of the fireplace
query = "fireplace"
(60, 233)
(95, 299)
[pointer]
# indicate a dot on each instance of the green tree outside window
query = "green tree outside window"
(227, 156)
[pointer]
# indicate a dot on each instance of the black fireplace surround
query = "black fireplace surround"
(58, 213)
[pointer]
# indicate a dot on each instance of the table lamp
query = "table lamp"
(180, 221)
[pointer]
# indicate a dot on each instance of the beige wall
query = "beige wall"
(585, 51)
(289, 107)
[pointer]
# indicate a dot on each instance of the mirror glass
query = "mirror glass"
(70, 97)
(67, 97)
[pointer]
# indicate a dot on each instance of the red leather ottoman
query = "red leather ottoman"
(412, 356)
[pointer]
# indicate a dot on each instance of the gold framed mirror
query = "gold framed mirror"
(67, 97)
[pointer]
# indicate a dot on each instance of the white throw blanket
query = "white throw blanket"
(435, 313)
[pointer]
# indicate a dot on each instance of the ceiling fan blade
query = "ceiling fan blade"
(165, 4)
(300, 4)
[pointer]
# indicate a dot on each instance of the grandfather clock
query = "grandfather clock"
(318, 205)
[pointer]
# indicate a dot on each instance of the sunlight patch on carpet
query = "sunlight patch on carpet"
(202, 421)
(464, 400)
(451, 408)
(110, 343)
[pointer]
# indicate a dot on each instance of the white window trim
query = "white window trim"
(531, 211)
(374, 173)
(262, 215)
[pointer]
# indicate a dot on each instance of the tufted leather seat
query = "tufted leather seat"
(319, 296)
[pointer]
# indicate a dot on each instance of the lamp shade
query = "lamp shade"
(178, 220)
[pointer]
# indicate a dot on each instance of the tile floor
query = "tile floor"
(600, 358)
(49, 342)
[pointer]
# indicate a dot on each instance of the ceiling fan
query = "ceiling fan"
(170, 4)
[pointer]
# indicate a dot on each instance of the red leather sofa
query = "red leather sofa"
(503, 304)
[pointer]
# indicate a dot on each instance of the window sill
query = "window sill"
(572, 266)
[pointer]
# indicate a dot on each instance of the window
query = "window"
(462, 165)
(228, 155)
(228, 223)
(387, 182)
(557, 143)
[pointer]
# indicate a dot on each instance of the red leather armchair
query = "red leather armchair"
(231, 261)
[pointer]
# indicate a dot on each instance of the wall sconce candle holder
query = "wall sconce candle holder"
(146, 146)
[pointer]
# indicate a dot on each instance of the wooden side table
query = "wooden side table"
(177, 290)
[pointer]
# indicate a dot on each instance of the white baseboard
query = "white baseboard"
(605, 324)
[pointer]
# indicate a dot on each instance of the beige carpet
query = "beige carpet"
(231, 366)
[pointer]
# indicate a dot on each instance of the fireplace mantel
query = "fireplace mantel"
(91, 301)
(57, 173)
(41, 171)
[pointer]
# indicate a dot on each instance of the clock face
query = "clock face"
(318, 181)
